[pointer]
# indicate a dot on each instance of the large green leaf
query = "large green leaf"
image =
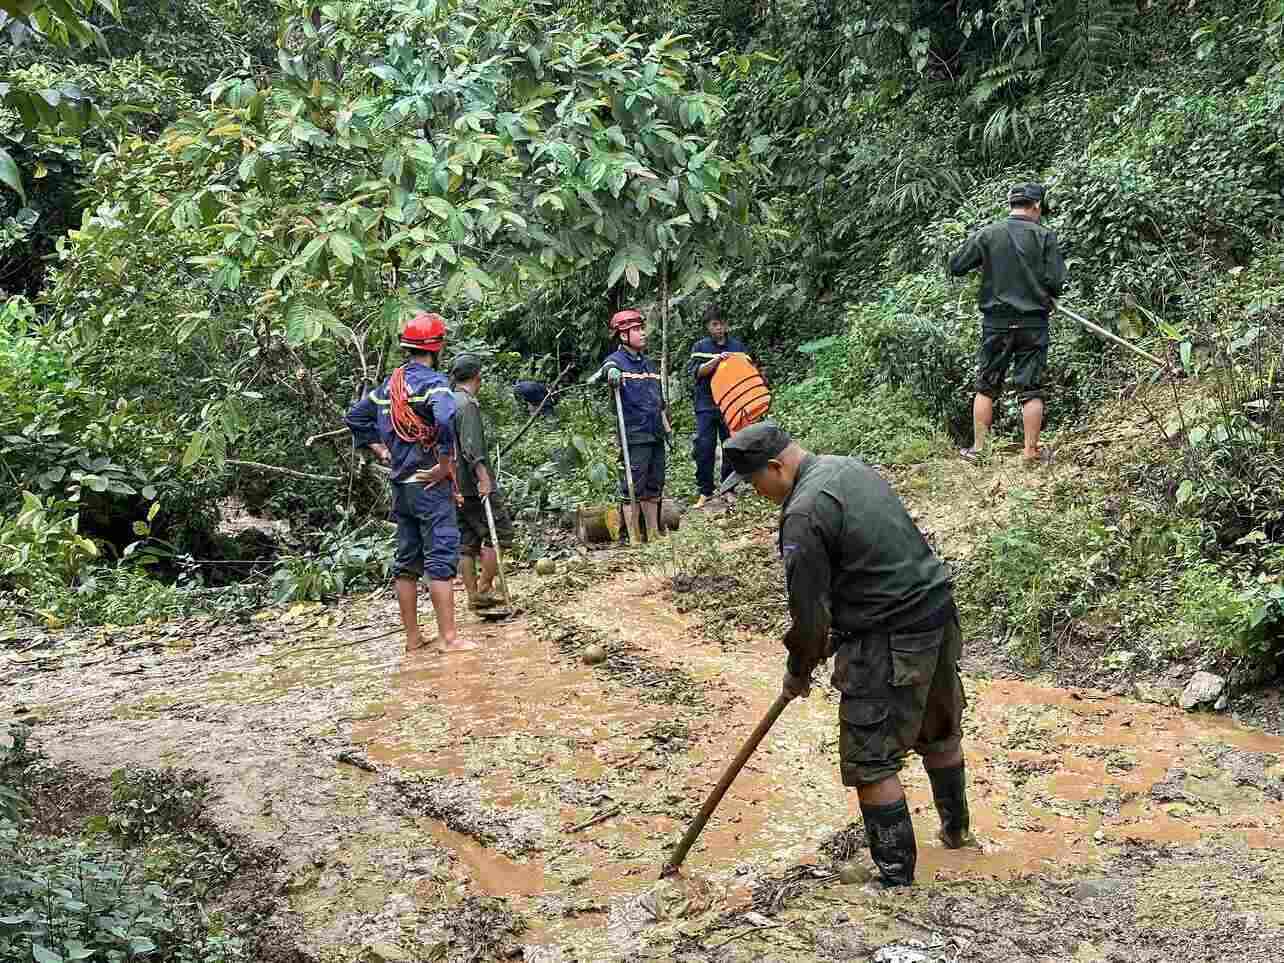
(10, 174)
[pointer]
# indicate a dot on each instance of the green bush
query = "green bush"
(63, 900)
(1048, 565)
(1241, 616)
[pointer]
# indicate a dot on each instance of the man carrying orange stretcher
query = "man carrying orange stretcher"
(707, 357)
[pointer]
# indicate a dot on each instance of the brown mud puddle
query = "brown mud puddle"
(1061, 781)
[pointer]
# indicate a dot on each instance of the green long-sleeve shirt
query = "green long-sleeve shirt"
(470, 443)
(854, 559)
(1021, 271)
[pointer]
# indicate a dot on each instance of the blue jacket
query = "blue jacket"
(705, 350)
(371, 419)
(640, 396)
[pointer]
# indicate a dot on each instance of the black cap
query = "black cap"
(749, 450)
(465, 367)
(1027, 194)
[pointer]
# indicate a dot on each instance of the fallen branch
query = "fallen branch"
(325, 434)
(326, 648)
(283, 471)
(535, 414)
(599, 818)
(756, 929)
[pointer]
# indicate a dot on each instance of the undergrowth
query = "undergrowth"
(134, 882)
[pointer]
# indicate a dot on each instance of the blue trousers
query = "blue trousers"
(427, 531)
(710, 432)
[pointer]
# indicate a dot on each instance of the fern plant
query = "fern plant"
(1089, 35)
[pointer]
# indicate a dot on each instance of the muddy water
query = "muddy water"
(1060, 780)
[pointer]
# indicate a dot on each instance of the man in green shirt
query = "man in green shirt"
(1021, 272)
(476, 482)
(865, 587)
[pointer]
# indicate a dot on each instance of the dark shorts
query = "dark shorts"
(648, 464)
(1025, 350)
(900, 692)
(474, 533)
(427, 533)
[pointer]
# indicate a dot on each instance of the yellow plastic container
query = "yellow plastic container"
(740, 392)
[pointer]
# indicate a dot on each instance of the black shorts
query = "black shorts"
(648, 463)
(901, 691)
(474, 532)
(1025, 350)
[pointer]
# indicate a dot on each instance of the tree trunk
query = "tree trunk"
(603, 524)
(664, 327)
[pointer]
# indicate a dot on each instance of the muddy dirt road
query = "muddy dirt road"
(410, 793)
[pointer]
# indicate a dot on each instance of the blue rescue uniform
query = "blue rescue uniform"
(642, 399)
(427, 532)
(711, 431)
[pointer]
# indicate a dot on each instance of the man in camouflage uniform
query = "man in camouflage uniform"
(1021, 272)
(865, 587)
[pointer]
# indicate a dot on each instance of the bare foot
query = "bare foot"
(414, 643)
(458, 645)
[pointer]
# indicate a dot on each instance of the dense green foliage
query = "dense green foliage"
(218, 228)
(133, 887)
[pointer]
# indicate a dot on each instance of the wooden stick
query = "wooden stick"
(535, 414)
(599, 818)
(1102, 332)
(325, 434)
(720, 790)
(499, 555)
(631, 518)
(283, 471)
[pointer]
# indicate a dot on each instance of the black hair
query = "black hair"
(712, 312)
(419, 354)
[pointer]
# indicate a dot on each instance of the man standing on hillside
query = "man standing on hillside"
(865, 586)
(407, 423)
(711, 431)
(1021, 272)
(646, 421)
(476, 484)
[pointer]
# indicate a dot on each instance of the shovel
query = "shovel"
(720, 790)
(506, 611)
(634, 536)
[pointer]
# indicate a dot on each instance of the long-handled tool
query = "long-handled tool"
(507, 610)
(1109, 336)
(720, 790)
(634, 538)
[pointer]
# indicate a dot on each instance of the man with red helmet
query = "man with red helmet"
(406, 422)
(646, 421)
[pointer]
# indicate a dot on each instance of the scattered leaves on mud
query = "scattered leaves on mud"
(458, 804)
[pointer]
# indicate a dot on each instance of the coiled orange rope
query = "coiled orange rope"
(408, 425)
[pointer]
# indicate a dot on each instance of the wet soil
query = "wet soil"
(513, 801)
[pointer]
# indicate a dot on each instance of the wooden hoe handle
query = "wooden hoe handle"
(720, 790)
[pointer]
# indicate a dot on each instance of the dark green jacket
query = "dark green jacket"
(1021, 271)
(470, 443)
(854, 560)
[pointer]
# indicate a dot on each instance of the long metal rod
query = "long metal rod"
(499, 556)
(634, 537)
(720, 790)
(1102, 332)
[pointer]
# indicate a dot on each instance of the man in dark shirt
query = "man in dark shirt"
(476, 484)
(865, 586)
(646, 420)
(711, 430)
(1021, 272)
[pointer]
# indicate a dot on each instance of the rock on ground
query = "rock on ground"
(1203, 687)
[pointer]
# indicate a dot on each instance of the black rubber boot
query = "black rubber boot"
(891, 842)
(949, 790)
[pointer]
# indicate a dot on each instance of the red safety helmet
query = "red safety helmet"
(626, 320)
(424, 332)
